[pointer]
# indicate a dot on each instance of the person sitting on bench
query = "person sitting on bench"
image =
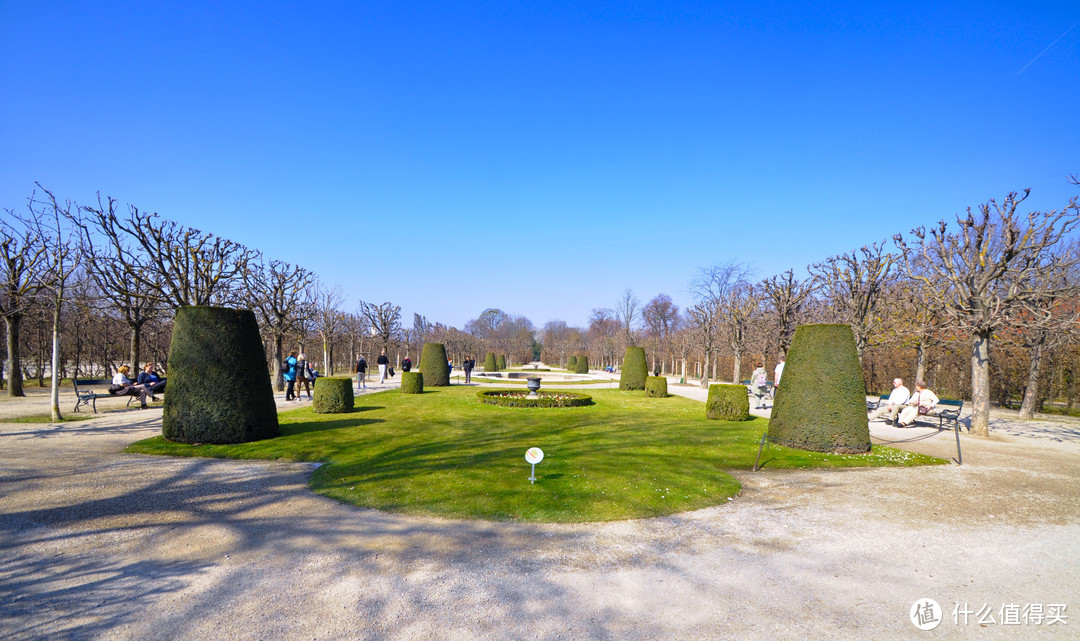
(921, 402)
(897, 399)
(122, 386)
(149, 379)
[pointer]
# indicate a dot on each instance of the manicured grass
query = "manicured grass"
(443, 453)
(521, 381)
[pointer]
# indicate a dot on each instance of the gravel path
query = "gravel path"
(97, 544)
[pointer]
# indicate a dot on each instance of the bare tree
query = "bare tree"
(185, 266)
(853, 285)
(787, 297)
(329, 321)
(23, 256)
(627, 310)
(385, 320)
(117, 269)
(1047, 320)
(280, 295)
(983, 272)
(661, 316)
(52, 221)
(739, 309)
(713, 286)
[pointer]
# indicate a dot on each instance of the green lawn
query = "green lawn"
(443, 453)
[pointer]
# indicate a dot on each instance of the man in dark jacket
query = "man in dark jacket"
(468, 366)
(361, 373)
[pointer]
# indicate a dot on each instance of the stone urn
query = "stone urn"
(534, 386)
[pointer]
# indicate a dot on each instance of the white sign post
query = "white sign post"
(534, 456)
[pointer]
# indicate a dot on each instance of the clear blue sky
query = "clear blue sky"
(540, 157)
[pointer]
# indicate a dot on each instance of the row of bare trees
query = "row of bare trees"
(996, 276)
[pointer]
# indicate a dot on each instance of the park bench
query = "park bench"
(87, 396)
(946, 411)
(873, 405)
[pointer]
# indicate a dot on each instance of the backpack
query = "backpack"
(761, 380)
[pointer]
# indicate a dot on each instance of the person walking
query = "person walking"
(406, 365)
(303, 376)
(361, 373)
(383, 362)
(290, 376)
(897, 399)
(759, 385)
(776, 374)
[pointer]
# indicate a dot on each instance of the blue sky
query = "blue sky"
(541, 157)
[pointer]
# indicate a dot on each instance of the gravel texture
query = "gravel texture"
(97, 544)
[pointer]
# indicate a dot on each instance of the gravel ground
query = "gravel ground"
(103, 545)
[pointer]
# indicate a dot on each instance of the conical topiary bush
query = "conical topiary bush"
(434, 366)
(501, 362)
(219, 385)
(822, 404)
(489, 362)
(635, 369)
(571, 363)
(581, 365)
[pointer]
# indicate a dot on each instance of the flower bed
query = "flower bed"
(520, 398)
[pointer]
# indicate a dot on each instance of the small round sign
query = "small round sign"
(534, 455)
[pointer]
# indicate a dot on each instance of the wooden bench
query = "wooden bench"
(89, 397)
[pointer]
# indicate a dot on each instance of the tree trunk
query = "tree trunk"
(279, 376)
(14, 367)
(54, 394)
(135, 348)
(705, 370)
(920, 363)
(736, 370)
(980, 383)
(1031, 392)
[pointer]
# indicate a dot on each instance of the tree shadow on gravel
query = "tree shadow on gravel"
(99, 560)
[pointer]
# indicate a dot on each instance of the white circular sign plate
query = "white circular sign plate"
(534, 455)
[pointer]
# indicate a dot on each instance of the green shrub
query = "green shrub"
(501, 365)
(489, 363)
(656, 386)
(728, 403)
(571, 363)
(412, 382)
(333, 395)
(434, 366)
(219, 386)
(634, 369)
(581, 366)
(519, 398)
(822, 404)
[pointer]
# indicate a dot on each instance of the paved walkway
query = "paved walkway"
(96, 544)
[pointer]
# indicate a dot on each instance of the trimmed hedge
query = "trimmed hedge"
(333, 395)
(571, 363)
(412, 382)
(219, 387)
(656, 386)
(434, 366)
(727, 403)
(582, 365)
(822, 405)
(519, 398)
(489, 363)
(635, 369)
(501, 365)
